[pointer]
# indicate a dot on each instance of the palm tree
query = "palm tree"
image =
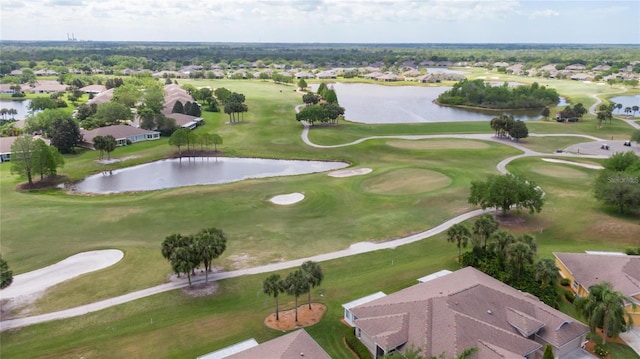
(635, 109)
(519, 254)
(314, 276)
(501, 240)
(484, 227)
(604, 308)
(459, 234)
(170, 244)
(212, 244)
(296, 284)
(272, 286)
(627, 110)
(545, 271)
(618, 106)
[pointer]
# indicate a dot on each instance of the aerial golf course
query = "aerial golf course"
(414, 185)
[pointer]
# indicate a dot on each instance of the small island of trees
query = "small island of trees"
(477, 93)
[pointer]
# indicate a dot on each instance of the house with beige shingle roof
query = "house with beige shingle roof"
(466, 309)
(295, 345)
(586, 269)
(123, 134)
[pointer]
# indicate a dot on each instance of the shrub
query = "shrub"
(601, 350)
(565, 282)
(569, 295)
(356, 345)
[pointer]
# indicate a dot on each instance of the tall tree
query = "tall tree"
(507, 191)
(459, 234)
(128, 95)
(65, 135)
(272, 286)
(212, 243)
(6, 275)
(545, 271)
(519, 130)
(604, 308)
(180, 138)
(314, 276)
(296, 284)
(302, 84)
(47, 159)
(110, 145)
(23, 157)
(178, 107)
(519, 254)
(484, 227)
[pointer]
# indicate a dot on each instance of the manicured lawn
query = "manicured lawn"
(40, 228)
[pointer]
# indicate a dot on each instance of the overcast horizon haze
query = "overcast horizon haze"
(325, 21)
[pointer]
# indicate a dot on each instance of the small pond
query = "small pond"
(22, 106)
(377, 104)
(626, 101)
(183, 172)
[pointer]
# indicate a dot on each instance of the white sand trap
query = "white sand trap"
(585, 165)
(349, 173)
(286, 199)
(37, 281)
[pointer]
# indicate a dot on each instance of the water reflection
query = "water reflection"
(196, 171)
(377, 104)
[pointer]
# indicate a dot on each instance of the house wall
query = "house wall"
(367, 341)
(635, 315)
(576, 287)
(349, 317)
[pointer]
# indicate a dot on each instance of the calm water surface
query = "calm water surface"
(626, 101)
(22, 106)
(376, 104)
(173, 173)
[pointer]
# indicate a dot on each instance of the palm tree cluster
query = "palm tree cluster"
(506, 257)
(297, 283)
(8, 112)
(104, 144)
(186, 253)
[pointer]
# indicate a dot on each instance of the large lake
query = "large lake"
(196, 171)
(626, 101)
(377, 104)
(22, 106)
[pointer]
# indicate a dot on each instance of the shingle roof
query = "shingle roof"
(457, 311)
(117, 131)
(295, 345)
(623, 272)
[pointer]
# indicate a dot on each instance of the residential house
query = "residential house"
(304, 75)
(295, 345)
(123, 134)
(586, 269)
(466, 309)
(94, 89)
(186, 121)
(102, 97)
(44, 86)
(7, 142)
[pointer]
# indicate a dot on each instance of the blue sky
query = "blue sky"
(325, 21)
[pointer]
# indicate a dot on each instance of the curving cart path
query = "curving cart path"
(356, 248)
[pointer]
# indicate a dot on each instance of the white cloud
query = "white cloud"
(543, 13)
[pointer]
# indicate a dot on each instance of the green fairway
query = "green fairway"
(414, 186)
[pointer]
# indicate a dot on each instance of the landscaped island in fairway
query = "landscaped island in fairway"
(477, 93)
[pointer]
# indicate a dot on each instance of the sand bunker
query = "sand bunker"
(37, 281)
(585, 165)
(349, 173)
(286, 199)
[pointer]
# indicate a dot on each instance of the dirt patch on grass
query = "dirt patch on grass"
(48, 182)
(615, 229)
(406, 181)
(439, 145)
(559, 172)
(306, 317)
(201, 289)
